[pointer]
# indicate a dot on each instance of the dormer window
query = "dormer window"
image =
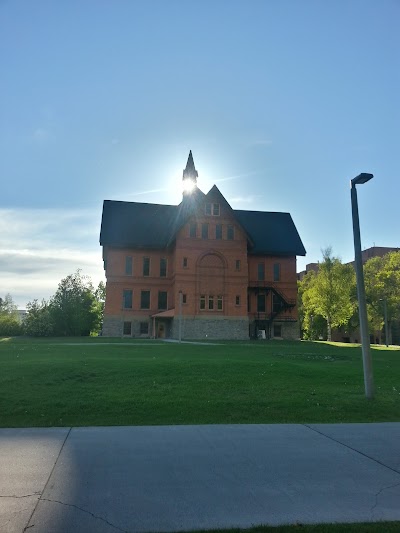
(212, 209)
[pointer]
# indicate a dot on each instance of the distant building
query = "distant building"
(21, 313)
(368, 253)
(199, 269)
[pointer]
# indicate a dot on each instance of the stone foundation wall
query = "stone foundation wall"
(113, 326)
(290, 330)
(211, 328)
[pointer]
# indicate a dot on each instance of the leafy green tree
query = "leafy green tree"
(382, 283)
(38, 321)
(10, 325)
(74, 308)
(328, 293)
(100, 294)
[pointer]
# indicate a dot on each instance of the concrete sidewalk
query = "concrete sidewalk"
(171, 478)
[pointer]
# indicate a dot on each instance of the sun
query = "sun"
(188, 186)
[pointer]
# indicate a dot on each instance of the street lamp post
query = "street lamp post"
(362, 305)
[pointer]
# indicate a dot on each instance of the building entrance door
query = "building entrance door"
(161, 330)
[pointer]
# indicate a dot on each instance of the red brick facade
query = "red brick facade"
(226, 291)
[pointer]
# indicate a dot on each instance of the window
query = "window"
(218, 231)
(230, 233)
(277, 272)
(184, 298)
(204, 231)
(145, 300)
(219, 303)
(127, 328)
(203, 301)
(261, 303)
(127, 299)
(261, 272)
(211, 303)
(163, 267)
(146, 266)
(185, 262)
(162, 300)
(276, 304)
(193, 230)
(128, 266)
(212, 209)
(144, 328)
(237, 264)
(237, 301)
(277, 331)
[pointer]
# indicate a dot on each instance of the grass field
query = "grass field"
(98, 381)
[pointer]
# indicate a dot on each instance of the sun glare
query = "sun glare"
(188, 186)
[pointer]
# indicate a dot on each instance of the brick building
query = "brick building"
(199, 269)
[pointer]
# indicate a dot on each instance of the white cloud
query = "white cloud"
(39, 247)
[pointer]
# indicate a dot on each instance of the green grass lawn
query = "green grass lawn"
(99, 381)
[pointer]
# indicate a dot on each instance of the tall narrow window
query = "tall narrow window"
(162, 300)
(237, 264)
(204, 231)
(218, 231)
(219, 303)
(261, 303)
(145, 300)
(211, 303)
(261, 272)
(276, 304)
(208, 209)
(193, 230)
(128, 265)
(184, 298)
(127, 299)
(203, 301)
(185, 262)
(163, 267)
(230, 233)
(146, 266)
(277, 272)
(216, 210)
(237, 301)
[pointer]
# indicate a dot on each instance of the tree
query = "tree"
(10, 325)
(38, 321)
(74, 308)
(382, 283)
(328, 293)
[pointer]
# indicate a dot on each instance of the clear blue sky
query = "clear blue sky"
(281, 103)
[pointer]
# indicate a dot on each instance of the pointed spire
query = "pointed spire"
(190, 171)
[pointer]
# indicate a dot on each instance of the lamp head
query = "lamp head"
(361, 178)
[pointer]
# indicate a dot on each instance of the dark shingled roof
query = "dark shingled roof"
(138, 225)
(271, 233)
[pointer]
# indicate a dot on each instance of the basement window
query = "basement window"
(277, 330)
(144, 328)
(127, 328)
